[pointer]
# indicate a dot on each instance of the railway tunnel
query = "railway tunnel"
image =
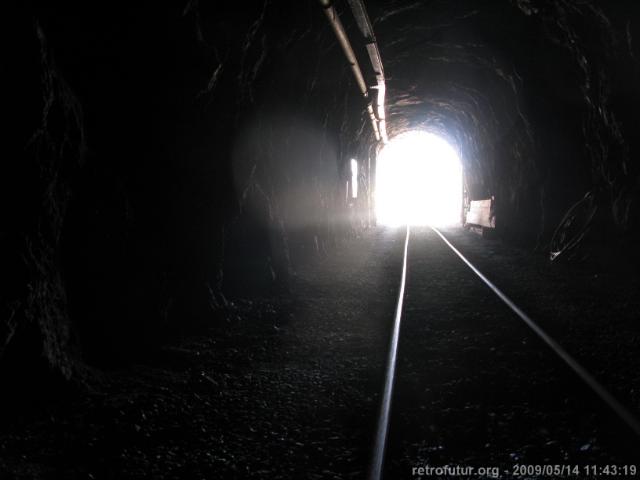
(204, 221)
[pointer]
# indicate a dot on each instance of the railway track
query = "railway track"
(471, 374)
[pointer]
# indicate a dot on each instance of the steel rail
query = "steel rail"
(623, 413)
(380, 440)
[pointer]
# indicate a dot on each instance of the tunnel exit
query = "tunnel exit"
(418, 181)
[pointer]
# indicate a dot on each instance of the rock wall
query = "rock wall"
(539, 96)
(171, 156)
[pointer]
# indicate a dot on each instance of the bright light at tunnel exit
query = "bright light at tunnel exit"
(418, 181)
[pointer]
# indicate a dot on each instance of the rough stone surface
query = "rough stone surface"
(172, 157)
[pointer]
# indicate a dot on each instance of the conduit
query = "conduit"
(377, 115)
(343, 39)
(364, 24)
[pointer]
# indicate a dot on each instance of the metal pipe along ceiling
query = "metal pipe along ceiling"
(341, 35)
(377, 116)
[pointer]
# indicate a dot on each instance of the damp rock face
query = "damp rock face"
(171, 157)
(168, 158)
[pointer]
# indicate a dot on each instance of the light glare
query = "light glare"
(418, 181)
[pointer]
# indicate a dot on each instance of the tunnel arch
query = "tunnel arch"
(539, 97)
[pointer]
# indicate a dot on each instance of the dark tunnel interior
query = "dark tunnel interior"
(179, 167)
